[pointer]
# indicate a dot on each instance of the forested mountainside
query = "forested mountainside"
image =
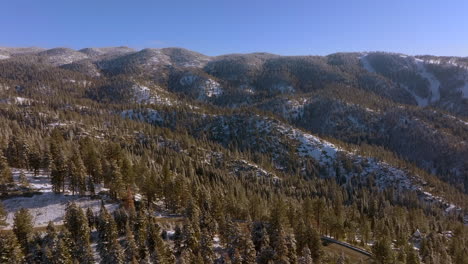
(113, 155)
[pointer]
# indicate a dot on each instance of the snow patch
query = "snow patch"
(366, 64)
(45, 206)
(434, 83)
(146, 115)
(211, 88)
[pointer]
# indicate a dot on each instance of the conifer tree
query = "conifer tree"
(156, 245)
(91, 218)
(260, 236)
(130, 249)
(114, 179)
(5, 172)
(3, 215)
(58, 172)
(54, 247)
(306, 257)
(109, 247)
(23, 227)
(10, 249)
(141, 231)
(236, 257)
(186, 257)
(35, 160)
(382, 251)
(206, 246)
(35, 252)
(91, 160)
(77, 225)
(17, 152)
(77, 173)
(249, 254)
(412, 257)
(178, 241)
(291, 245)
(61, 254)
(189, 238)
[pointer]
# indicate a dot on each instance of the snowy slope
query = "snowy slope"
(46, 206)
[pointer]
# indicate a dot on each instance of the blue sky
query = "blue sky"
(289, 27)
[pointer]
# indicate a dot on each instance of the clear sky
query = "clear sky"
(213, 27)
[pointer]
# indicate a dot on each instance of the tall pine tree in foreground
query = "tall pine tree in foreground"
(109, 248)
(3, 215)
(10, 249)
(77, 225)
(23, 227)
(5, 172)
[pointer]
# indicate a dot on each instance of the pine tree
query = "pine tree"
(291, 244)
(61, 253)
(278, 241)
(17, 152)
(236, 257)
(35, 252)
(341, 259)
(77, 225)
(306, 257)
(58, 172)
(5, 172)
(156, 245)
(77, 173)
(411, 257)
(190, 241)
(3, 215)
(206, 246)
(260, 236)
(91, 160)
(35, 160)
(249, 253)
(130, 249)
(319, 210)
(198, 259)
(231, 236)
(91, 218)
(10, 250)
(178, 241)
(141, 231)
(313, 242)
(109, 247)
(382, 251)
(186, 257)
(115, 180)
(23, 227)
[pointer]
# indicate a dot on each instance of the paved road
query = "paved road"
(360, 250)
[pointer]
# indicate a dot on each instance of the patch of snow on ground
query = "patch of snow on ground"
(147, 115)
(434, 83)
(21, 100)
(46, 206)
(4, 57)
(310, 145)
(283, 88)
(144, 95)
(366, 64)
(49, 207)
(212, 88)
(294, 108)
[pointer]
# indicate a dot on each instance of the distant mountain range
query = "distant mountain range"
(411, 109)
